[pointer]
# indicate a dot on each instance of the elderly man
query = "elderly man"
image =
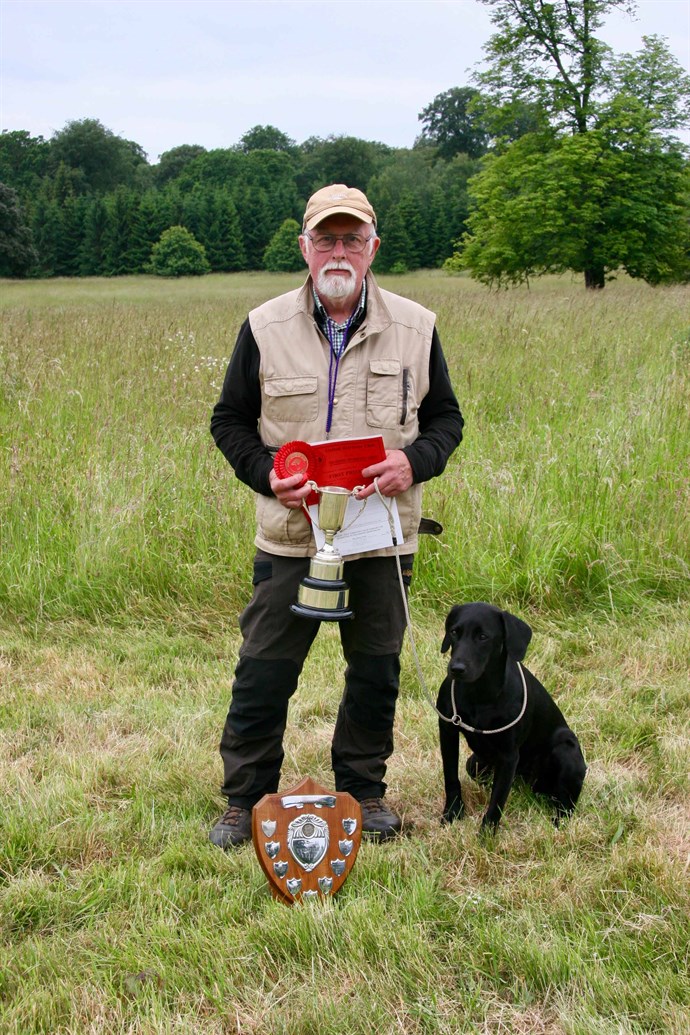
(341, 358)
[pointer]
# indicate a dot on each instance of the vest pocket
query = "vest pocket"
(384, 389)
(291, 399)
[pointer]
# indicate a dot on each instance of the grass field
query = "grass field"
(125, 560)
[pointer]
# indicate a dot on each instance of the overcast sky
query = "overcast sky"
(170, 72)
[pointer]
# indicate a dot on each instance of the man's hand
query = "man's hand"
(394, 475)
(287, 490)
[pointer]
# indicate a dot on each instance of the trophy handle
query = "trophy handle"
(359, 512)
(314, 488)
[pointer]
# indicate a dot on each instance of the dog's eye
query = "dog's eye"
(482, 636)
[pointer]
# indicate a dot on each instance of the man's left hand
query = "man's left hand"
(394, 475)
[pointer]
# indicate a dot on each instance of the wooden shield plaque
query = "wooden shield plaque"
(306, 840)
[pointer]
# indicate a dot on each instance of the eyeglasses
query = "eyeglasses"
(353, 243)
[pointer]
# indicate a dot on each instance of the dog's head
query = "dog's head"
(482, 637)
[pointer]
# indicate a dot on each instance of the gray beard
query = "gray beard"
(336, 287)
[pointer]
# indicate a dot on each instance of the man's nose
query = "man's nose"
(339, 249)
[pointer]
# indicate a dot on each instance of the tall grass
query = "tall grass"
(569, 490)
(125, 558)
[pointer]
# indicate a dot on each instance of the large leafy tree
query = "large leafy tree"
(339, 159)
(601, 186)
(453, 123)
(172, 163)
(266, 138)
(584, 202)
(23, 160)
(104, 159)
(549, 53)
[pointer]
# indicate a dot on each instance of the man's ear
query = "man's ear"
(451, 619)
(517, 635)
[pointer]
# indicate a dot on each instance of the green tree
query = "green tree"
(221, 167)
(121, 253)
(283, 254)
(23, 161)
(46, 229)
(17, 254)
(453, 123)
(585, 202)
(339, 159)
(548, 55)
(653, 77)
(69, 242)
(93, 245)
(222, 234)
(172, 164)
(258, 225)
(178, 254)
(398, 252)
(266, 138)
(105, 160)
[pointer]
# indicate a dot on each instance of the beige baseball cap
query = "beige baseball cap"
(337, 200)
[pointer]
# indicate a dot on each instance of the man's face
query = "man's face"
(338, 273)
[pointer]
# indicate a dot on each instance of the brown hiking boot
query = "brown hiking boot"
(233, 828)
(378, 821)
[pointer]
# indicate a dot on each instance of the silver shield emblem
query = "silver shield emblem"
(294, 884)
(308, 840)
(280, 868)
(272, 848)
(338, 866)
(269, 827)
(345, 847)
(325, 884)
(349, 826)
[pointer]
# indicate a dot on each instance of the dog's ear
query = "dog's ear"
(451, 619)
(518, 635)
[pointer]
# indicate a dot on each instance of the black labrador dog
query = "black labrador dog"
(510, 722)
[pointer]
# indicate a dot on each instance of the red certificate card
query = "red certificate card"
(341, 461)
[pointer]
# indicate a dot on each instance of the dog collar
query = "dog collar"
(457, 721)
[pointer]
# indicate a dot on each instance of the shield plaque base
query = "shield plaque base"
(306, 840)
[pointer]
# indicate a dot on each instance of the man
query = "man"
(337, 358)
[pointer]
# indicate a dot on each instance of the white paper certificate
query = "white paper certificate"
(361, 532)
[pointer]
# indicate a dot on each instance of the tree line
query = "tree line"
(560, 156)
(93, 206)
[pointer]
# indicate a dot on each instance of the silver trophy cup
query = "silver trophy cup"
(323, 593)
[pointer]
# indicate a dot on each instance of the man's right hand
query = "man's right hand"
(289, 491)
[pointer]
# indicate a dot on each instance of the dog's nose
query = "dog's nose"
(458, 668)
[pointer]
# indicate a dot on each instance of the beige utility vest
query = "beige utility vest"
(383, 376)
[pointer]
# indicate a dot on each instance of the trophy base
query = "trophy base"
(325, 599)
(320, 613)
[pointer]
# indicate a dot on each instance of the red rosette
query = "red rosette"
(294, 458)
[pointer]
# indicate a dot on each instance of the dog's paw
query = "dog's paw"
(455, 810)
(489, 824)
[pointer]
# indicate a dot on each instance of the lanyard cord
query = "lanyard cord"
(333, 364)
